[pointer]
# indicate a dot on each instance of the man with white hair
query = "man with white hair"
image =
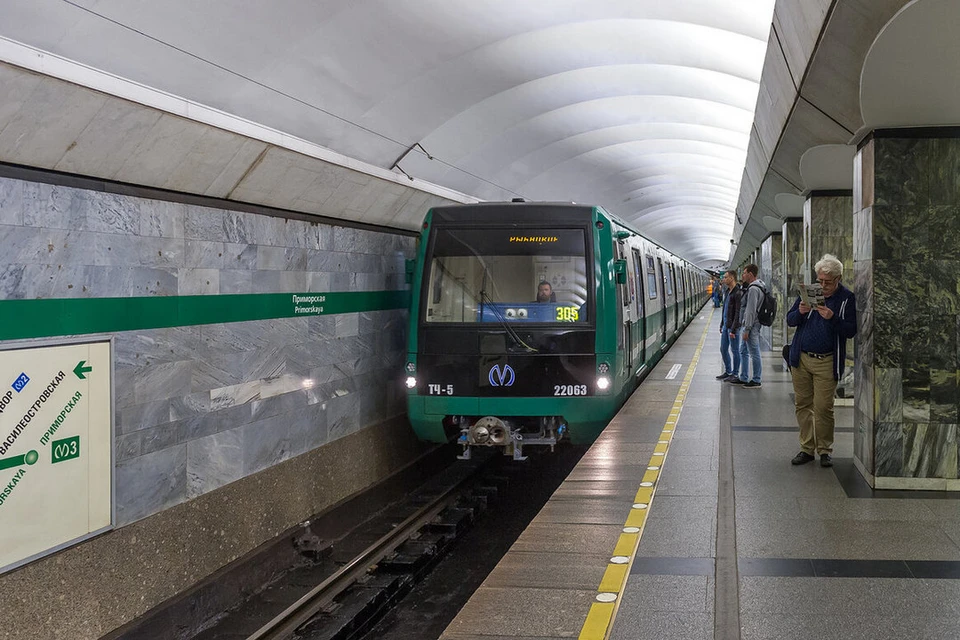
(817, 355)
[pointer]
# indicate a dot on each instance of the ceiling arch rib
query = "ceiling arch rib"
(675, 188)
(699, 185)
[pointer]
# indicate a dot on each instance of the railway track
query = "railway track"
(321, 597)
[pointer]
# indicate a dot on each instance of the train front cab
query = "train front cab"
(488, 362)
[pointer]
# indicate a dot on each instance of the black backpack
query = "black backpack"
(767, 312)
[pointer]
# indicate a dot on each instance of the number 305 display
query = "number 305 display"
(568, 314)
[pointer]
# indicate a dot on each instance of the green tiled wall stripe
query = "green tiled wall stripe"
(78, 316)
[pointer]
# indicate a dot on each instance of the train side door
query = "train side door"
(625, 295)
(641, 323)
(663, 301)
(676, 298)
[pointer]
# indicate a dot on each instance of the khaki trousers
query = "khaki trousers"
(814, 386)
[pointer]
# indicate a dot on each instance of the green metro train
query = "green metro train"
(534, 322)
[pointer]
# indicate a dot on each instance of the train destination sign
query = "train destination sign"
(55, 448)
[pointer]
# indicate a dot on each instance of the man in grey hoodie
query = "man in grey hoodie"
(753, 293)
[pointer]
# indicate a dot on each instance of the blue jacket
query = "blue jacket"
(844, 323)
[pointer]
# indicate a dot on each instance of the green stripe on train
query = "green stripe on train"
(77, 316)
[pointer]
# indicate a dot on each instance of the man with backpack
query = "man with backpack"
(754, 299)
(729, 328)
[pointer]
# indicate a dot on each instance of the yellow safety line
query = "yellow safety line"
(599, 622)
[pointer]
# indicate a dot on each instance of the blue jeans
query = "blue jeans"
(730, 352)
(750, 351)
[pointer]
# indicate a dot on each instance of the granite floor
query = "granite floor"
(737, 542)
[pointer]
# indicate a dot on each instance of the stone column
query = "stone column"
(771, 272)
(907, 269)
(792, 267)
(828, 228)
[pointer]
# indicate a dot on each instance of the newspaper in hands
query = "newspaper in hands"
(811, 295)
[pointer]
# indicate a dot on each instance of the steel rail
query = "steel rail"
(300, 612)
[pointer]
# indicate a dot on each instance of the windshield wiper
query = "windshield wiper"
(499, 316)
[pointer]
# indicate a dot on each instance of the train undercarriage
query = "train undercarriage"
(511, 433)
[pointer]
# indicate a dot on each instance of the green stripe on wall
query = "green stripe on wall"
(77, 316)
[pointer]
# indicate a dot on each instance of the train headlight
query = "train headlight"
(603, 367)
(411, 382)
(411, 367)
(521, 313)
(603, 383)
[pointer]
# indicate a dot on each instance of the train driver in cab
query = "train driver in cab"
(545, 292)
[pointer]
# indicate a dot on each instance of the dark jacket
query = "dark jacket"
(844, 324)
(732, 300)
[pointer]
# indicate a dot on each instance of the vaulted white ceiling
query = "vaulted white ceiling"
(642, 106)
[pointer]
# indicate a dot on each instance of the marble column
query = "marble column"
(907, 279)
(792, 257)
(828, 228)
(771, 272)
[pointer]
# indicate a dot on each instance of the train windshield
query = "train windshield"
(508, 275)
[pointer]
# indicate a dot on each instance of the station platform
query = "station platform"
(686, 520)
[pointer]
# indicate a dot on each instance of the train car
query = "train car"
(531, 323)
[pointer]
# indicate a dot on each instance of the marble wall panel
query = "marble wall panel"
(11, 201)
(766, 274)
(159, 437)
(930, 450)
(214, 461)
(127, 446)
(186, 397)
(793, 255)
(943, 396)
(266, 442)
(944, 221)
(863, 290)
(203, 254)
(198, 282)
(163, 219)
(889, 449)
(234, 282)
(239, 256)
(150, 483)
(889, 394)
(779, 288)
(281, 258)
(12, 281)
(142, 416)
(863, 235)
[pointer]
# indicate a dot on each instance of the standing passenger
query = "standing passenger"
(729, 326)
(754, 291)
(817, 357)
